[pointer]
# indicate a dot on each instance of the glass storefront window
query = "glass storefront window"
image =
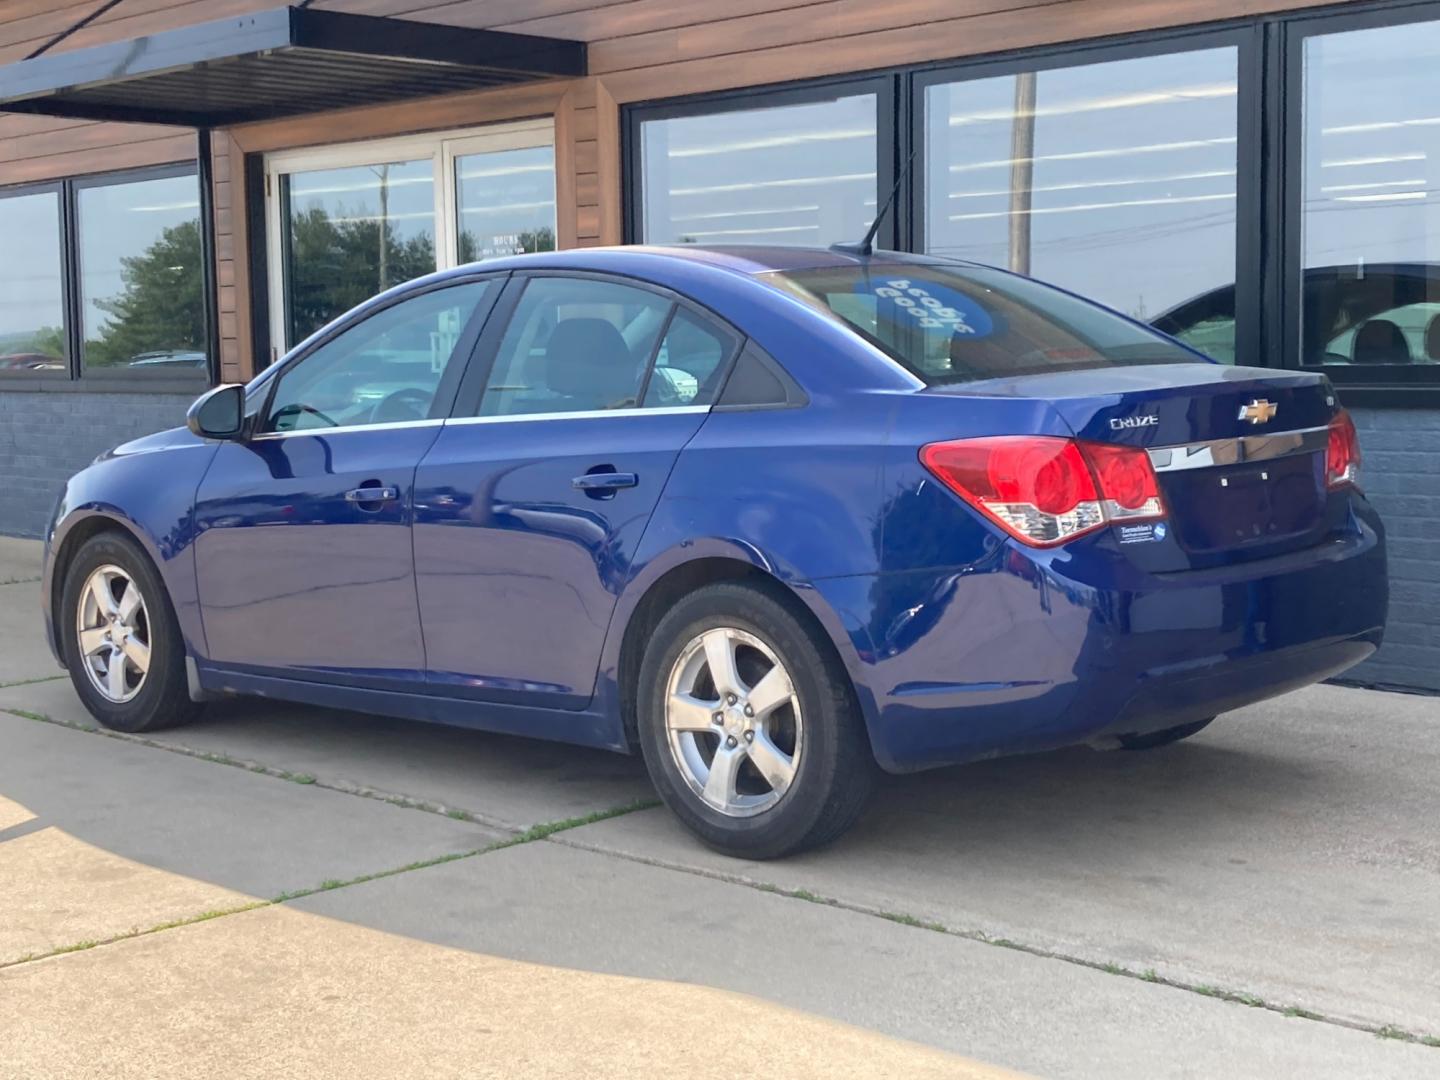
(505, 202)
(1370, 221)
(32, 295)
(350, 233)
(141, 276)
(1115, 179)
(791, 174)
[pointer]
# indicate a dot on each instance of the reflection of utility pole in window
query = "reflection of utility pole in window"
(383, 172)
(1022, 170)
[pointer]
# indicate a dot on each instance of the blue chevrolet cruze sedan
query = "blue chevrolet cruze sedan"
(773, 517)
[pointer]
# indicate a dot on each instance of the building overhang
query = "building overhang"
(284, 62)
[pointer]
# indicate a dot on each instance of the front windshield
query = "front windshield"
(957, 324)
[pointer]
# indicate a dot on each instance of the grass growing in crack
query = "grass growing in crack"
(550, 828)
(911, 920)
(1149, 975)
(31, 682)
(89, 943)
(460, 815)
(26, 714)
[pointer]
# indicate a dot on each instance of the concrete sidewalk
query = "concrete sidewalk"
(284, 889)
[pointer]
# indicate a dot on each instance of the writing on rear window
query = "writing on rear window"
(931, 311)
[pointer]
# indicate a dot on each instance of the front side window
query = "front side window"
(141, 276)
(790, 174)
(956, 325)
(385, 370)
(575, 345)
(1115, 179)
(32, 294)
(1370, 219)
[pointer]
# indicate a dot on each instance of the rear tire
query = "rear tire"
(749, 726)
(1155, 739)
(121, 640)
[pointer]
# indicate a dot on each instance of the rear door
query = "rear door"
(303, 558)
(533, 500)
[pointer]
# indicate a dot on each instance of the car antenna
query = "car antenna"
(866, 247)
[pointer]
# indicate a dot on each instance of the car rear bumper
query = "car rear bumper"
(1035, 651)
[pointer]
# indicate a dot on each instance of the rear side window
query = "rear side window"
(956, 324)
(575, 345)
(690, 364)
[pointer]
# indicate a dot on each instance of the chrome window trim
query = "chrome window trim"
(345, 429)
(1237, 451)
(583, 414)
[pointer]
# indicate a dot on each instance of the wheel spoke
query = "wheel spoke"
(720, 784)
(92, 641)
(101, 596)
(115, 675)
(137, 652)
(686, 713)
(772, 691)
(774, 764)
(720, 656)
(129, 604)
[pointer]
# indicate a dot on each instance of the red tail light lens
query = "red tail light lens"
(1342, 459)
(1127, 481)
(1044, 490)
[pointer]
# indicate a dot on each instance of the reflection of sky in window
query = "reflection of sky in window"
(407, 189)
(118, 221)
(1372, 146)
(502, 194)
(1133, 176)
(30, 296)
(794, 174)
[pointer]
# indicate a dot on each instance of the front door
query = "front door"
(530, 505)
(304, 559)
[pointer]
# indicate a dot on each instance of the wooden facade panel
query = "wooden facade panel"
(225, 275)
(131, 18)
(600, 22)
(126, 155)
(78, 138)
(587, 224)
(587, 189)
(582, 124)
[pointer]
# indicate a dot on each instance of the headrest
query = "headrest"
(1380, 341)
(587, 358)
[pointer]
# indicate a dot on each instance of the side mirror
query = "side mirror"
(219, 413)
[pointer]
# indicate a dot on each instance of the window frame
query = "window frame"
(808, 92)
(75, 378)
(1245, 39)
(1402, 385)
(1268, 193)
(466, 405)
(441, 148)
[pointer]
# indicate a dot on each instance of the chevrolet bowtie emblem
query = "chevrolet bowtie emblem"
(1258, 411)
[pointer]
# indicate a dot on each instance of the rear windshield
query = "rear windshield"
(963, 323)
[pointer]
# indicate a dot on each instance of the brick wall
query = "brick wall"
(1401, 474)
(46, 437)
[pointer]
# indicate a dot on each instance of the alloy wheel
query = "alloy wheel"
(733, 722)
(113, 629)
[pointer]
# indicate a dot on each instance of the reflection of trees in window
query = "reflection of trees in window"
(336, 264)
(523, 243)
(160, 309)
(44, 341)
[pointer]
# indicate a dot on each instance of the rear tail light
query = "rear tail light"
(1044, 490)
(1342, 458)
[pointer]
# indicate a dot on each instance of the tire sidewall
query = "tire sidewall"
(167, 655)
(795, 816)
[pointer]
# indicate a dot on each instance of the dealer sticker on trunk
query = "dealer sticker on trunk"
(1143, 534)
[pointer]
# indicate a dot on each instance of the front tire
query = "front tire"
(122, 643)
(749, 727)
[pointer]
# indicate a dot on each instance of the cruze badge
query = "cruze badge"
(1120, 423)
(1258, 411)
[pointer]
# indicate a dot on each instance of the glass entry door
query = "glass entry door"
(348, 222)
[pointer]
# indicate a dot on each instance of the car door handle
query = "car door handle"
(605, 481)
(372, 495)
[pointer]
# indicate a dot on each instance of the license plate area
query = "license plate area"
(1240, 506)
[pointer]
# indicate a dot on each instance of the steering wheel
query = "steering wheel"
(407, 403)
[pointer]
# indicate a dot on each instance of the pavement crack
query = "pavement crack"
(1149, 975)
(32, 682)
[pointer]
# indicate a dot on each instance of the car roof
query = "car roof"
(740, 258)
